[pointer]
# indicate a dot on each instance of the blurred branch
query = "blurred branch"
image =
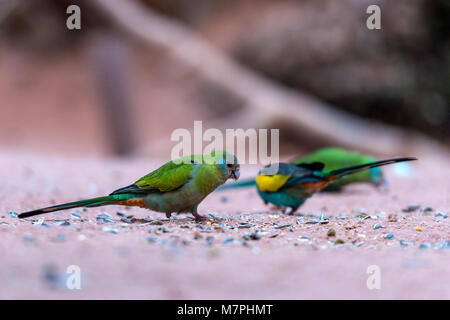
(110, 63)
(267, 100)
(6, 7)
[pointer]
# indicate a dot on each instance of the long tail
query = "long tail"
(94, 202)
(250, 182)
(334, 174)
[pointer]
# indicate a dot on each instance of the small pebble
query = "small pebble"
(75, 216)
(389, 236)
(13, 214)
(282, 227)
(418, 228)
(331, 233)
(252, 236)
(274, 235)
(124, 219)
(228, 240)
(209, 240)
(153, 239)
(412, 208)
(110, 229)
(405, 243)
(377, 226)
(424, 245)
(339, 241)
(28, 239)
(300, 220)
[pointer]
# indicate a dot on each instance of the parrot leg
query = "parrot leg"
(197, 216)
(168, 215)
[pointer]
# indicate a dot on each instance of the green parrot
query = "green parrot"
(292, 184)
(332, 158)
(176, 187)
(335, 158)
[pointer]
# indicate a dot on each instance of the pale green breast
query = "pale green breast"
(204, 180)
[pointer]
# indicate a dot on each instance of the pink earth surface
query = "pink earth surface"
(249, 251)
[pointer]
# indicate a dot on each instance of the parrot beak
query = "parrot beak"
(235, 174)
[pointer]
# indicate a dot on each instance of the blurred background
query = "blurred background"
(137, 70)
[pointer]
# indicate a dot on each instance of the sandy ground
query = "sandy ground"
(249, 252)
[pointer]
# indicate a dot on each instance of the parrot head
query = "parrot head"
(227, 163)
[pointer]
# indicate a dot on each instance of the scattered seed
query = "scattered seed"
(124, 219)
(228, 240)
(405, 243)
(331, 233)
(339, 241)
(75, 216)
(153, 239)
(418, 228)
(274, 235)
(362, 216)
(245, 226)
(209, 240)
(252, 236)
(282, 227)
(13, 214)
(300, 220)
(377, 226)
(110, 229)
(412, 207)
(424, 245)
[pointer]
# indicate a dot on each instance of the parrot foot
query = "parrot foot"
(288, 210)
(198, 216)
(168, 215)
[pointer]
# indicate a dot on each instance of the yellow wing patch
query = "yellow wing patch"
(271, 183)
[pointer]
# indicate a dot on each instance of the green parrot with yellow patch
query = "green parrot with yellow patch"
(292, 184)
(332, 158)
(176, 187)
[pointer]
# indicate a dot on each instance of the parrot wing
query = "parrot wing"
(168, 177)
